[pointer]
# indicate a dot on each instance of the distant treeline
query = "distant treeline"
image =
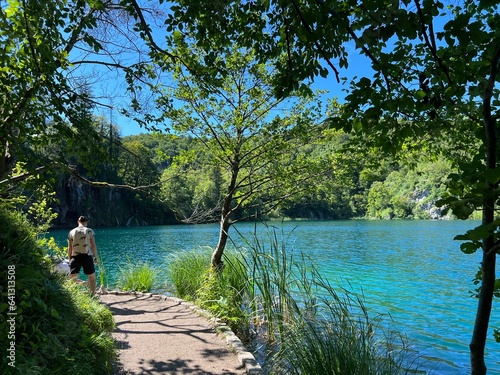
(354, 185)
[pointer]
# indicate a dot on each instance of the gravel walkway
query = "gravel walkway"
(164, 335)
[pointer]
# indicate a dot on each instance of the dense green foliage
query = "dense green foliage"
(409, 193)
(39, 103)
(162, 176)
(59, 328)
(120, 189)
(167, 175)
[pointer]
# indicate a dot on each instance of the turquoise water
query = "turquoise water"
(411, 270)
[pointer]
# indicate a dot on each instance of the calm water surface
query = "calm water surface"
(411, 270)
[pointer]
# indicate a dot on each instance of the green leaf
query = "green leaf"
(373, 113)
(477, 234)
(420, 94)
(497, 288)
(469, 247)
(492, 175)
(357, 125)
(488, 3)
(335, 122)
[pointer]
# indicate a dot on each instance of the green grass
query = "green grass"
(60, 327)
(186, 271)
(137, 277)
(103, 273)
(221, 293)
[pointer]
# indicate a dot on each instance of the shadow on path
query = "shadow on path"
(163, 336)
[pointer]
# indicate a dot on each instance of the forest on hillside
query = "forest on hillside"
(159, 178)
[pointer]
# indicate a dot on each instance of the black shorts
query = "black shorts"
(79, 261)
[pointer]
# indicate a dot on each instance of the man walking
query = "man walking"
(81, 245)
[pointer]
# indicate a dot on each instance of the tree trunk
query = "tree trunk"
(226, 213)
(5, 159)
(216, 261)
(479, 335)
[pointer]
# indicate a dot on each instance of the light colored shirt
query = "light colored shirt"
(80, 239)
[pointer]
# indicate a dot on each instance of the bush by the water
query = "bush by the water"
(186, 271)
(140, 277)
(220, 292)
(59, 327)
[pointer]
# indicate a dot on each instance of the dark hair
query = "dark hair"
(82, 219)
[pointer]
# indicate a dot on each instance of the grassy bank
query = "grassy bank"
(274, 296)
(54, 326)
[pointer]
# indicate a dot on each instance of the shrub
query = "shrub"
(221, 293)
(225, 294)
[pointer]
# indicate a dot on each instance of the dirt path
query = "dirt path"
(164, 335)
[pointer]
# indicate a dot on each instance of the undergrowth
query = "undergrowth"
(59, 328)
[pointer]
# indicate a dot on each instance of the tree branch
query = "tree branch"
(147, 31)
(24, 176)
(316, 43)
(431, 44)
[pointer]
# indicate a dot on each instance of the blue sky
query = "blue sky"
(358, 64)
(111, 86)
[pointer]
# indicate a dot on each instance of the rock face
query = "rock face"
(425, 206)
(106, 206)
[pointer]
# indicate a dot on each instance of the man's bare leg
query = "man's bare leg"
(92, 283)
(75, 278)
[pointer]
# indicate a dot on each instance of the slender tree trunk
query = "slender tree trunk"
(226, 212)
(216, 261)
(479, 335)
(3, 158)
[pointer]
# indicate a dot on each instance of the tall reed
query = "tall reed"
(310, 326)
(103, 273)
(337, 336)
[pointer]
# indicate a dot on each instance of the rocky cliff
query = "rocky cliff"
(106, 206)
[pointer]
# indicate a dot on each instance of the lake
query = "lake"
(412, 270)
